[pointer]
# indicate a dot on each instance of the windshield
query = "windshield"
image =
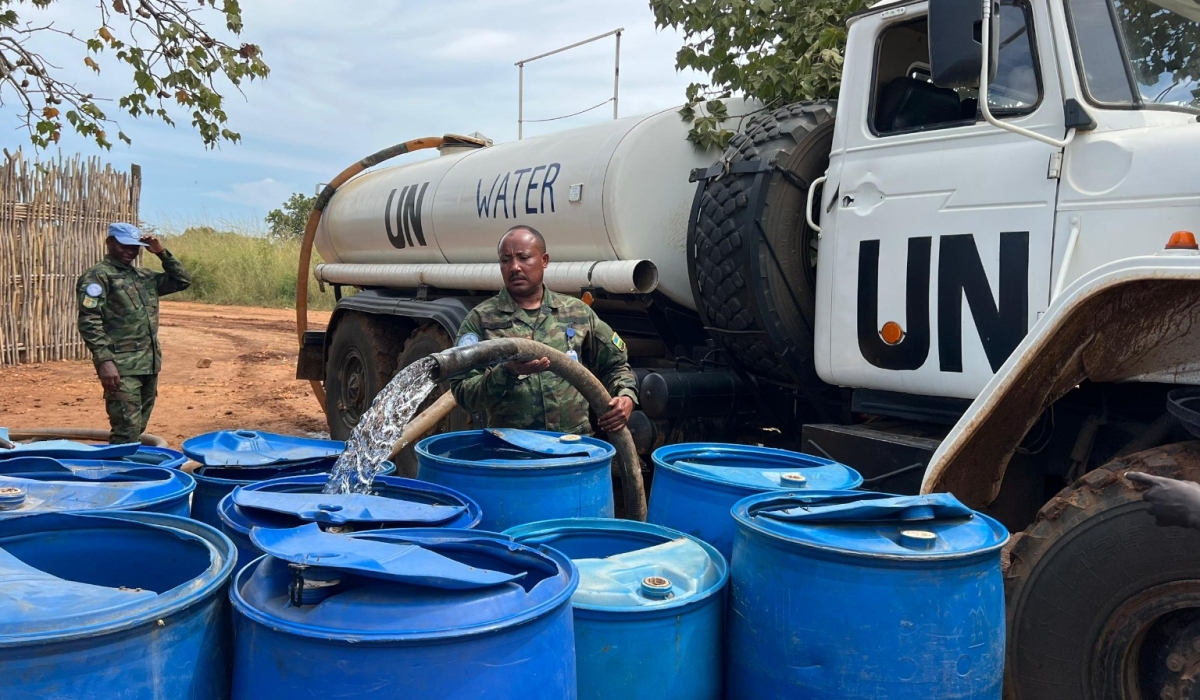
(1138, 52)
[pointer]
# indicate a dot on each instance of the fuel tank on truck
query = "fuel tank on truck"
(612, 191)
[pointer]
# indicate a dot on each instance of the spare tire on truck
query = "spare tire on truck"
(751, 251)
(1102, 603)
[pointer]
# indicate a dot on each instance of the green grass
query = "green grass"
(231, 267)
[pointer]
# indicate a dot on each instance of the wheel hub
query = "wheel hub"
(1150, 646)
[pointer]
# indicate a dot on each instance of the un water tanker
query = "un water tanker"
(613, 198)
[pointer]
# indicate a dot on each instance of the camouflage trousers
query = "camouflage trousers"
(129, 407)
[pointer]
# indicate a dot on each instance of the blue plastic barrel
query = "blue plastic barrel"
(232, 458)
(522, 476)
(158, 457)
(696, 484)
(292, 501)
(113, 606)
(898, 598)
(422, 614)
(257, 448)
(44, 484)
(648, 610)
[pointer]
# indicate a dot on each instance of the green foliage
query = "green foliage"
(288, 223)
(231, 268)
(776, 51)
(175, 61)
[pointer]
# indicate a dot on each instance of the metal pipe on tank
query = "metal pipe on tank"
(615, 276)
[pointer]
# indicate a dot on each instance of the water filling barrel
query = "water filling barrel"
(696, 484)
(231, 458)
(422, 614)
(898, 598)
(113, 606)
(648, 609)
(44, 484)
(522, 476)
(292, 501)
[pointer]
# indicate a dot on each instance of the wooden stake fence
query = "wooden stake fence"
(53, 218)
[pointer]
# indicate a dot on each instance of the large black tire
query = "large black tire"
(754, 254)
(425, 341)
(362, 360)
(1099, 597)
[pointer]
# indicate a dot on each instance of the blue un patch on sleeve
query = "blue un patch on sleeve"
(468, 339)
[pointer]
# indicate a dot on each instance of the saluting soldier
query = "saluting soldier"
(523, 394)
(118, 319)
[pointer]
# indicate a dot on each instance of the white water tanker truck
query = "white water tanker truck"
(982, 296)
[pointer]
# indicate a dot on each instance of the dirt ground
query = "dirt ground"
(249, 383)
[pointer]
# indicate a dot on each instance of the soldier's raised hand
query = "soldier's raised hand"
(110, 378)
(152, 244)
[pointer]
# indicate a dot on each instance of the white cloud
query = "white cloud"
(348, 83)
(262, 194)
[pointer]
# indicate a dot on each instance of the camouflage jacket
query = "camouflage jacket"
(118, 312)
(544, 400)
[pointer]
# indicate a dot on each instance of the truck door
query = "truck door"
(940, 244)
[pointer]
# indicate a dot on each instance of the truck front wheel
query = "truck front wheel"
(362, 360)
(1103, 603)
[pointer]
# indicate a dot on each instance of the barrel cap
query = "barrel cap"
(395, 502)
(933, 526)
(75, 485)
(434, 583)
(628, 566)
(57, 584)
(250, 448)
(755, 468)
(511, 448)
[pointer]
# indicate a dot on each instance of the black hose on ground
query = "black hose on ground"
(462, 359)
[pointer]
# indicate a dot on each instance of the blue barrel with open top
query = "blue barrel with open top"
(114, 606)
(648, 609)
(696, 484)
(423, 614)
(292, 501)
(899, 597)
(70, 449)
(44, 484)
(226, 459)
(522, 476)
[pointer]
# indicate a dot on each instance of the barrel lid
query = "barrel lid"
(243, 474)
(36, 600)
(342, 508)
(627, 566)
(256, 448)
(906, 527)
(68, 449)
(53, 587)
(513, 448)
(49, 484)
(393, 502)
(759, 468)
(433, 583)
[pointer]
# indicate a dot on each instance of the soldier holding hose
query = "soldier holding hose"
(523, 394)
(118, 319)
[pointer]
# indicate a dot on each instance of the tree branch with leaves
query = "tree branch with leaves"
(775, 51)
(176, 63)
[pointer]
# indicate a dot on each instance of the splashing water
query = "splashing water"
(371, 441)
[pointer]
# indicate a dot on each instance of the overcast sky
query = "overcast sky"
(347, 82)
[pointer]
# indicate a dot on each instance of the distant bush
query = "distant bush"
(229, 267)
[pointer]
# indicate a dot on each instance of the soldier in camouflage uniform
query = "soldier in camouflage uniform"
(118, 319)
(523, 394)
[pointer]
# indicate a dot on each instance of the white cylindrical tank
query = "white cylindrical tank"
(612, 191)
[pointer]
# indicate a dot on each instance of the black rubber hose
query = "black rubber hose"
(462, 359)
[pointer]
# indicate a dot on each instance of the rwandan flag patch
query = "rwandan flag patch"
(616, 340)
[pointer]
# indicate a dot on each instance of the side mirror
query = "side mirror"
(955, 44)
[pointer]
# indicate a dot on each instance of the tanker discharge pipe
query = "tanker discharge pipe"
(462, 359)
(615, 276)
